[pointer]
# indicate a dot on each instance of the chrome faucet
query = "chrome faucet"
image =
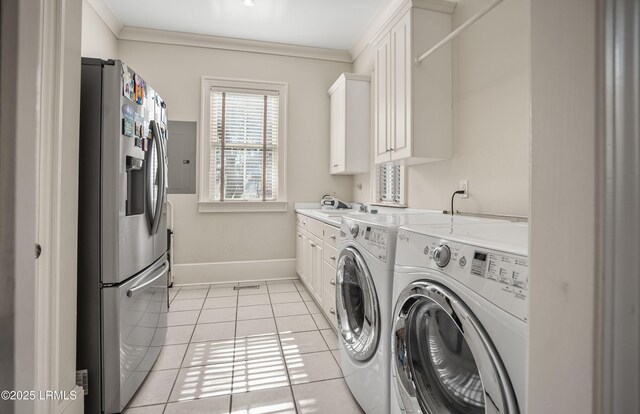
(368, 209)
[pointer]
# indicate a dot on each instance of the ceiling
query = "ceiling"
(334, 24)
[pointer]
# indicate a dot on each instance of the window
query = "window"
(243, 146)
(390, 185)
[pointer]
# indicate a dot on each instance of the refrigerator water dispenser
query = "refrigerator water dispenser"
(135, 186)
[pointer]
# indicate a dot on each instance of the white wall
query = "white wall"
(98, 40)
(490, 117)
(565, 148)
(175, 72)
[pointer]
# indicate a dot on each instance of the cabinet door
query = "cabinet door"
(329, 277)
(382, 100)
(337, 130)
(401, 88)
(318, 286)
(314, 262)
(304, 263)
(299, 249)
(329, 307)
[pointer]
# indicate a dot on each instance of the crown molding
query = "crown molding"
(389, 13)
(104, 11)
(140, 34)
(380, 21)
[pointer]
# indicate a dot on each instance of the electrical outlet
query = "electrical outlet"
(464, 186)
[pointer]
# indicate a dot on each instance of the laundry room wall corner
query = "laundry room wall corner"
(564, 206)
(98, 40)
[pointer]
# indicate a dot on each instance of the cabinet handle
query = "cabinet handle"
(332, 282)
(332, 257)
(313, 245)
(332, 311)
(333, 237)
(336, 165)
(299, 235)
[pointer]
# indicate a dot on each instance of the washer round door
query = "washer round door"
(444, 361)
(358, 312)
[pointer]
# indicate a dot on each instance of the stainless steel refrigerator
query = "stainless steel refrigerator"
(122, 236)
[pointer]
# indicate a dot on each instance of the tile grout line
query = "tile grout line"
(233, 353)
(284, 358)
(178, 373)
(320, 331)
(185, 352)
(127, 408)
(295, 402)
(174, 297)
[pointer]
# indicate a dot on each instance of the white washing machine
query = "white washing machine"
(364, 284)
(459, 329)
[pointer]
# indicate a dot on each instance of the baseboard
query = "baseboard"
(73, 406)
(243, 271)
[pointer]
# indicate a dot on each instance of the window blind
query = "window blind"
(389, 183)
(244, 146)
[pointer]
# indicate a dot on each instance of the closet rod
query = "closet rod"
(463, 26)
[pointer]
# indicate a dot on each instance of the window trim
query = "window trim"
(204, 147)
(402, 203)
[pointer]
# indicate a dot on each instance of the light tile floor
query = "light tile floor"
(266, 350)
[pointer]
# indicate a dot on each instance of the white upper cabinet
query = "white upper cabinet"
(382, 103)
(413, 114)
(349, 128)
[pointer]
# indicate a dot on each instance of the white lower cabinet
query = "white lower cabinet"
(329, 307)
(299, 247)
(315, 267)
(316, 257)
(329, 297)
(302, 254)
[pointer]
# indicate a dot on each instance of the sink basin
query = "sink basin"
(337, 213)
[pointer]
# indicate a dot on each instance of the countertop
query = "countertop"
(331, 217)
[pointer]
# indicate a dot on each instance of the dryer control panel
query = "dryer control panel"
(502, 278)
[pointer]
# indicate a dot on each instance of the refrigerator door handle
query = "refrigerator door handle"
(149, 186)
(163, 165)
(154, 220)
(131, 292)
(160, 199)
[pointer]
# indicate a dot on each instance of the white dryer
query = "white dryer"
(364, 284)
(459, 331)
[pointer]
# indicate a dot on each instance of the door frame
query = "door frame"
(41, 62)
(13, 259)
(21, 66)
(618, 344)
(56, 203)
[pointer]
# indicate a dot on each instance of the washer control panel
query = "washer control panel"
(373, 238)
(502, 278)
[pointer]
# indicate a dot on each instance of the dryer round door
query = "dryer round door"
(357, 307)
(444, 361)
